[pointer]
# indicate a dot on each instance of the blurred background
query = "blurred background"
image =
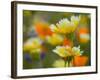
(37, 47)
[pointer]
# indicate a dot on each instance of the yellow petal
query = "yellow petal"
(55, 39)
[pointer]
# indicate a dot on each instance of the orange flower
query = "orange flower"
(67, 42)
(80, 60)
(83, 30)
(83, 34)
(43, 29)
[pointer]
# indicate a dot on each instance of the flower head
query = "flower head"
(80, 60)
(65, 26)
(65, 51)
(83, 35)
(55, 39)
(32, 45)
(43, 29)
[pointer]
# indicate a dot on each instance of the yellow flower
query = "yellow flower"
(65, 51)
(65, 26)
(76, 51)
(32, 45)
(55, 39)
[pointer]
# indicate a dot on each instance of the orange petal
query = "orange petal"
(83, 30)
(67, 42)
(80, 60)
(43, 29)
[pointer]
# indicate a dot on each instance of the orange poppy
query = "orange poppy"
(67, 42)
(83, 34)
(80, 60)
(83, 30)
(43, 29)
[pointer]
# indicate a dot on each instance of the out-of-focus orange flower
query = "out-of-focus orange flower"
(43, 29)
(83, 30)
(83, 34)
(80, 60)
(67, 42)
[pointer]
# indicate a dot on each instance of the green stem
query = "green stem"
(68, 64)
(65, 63)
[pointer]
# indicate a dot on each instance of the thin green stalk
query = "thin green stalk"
(68, 64)
(65, 63)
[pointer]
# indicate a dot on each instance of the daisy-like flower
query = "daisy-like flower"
(32, 45)
(66, 26)
(65, 51)
(54, 39)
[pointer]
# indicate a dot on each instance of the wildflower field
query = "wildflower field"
(56, 39)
